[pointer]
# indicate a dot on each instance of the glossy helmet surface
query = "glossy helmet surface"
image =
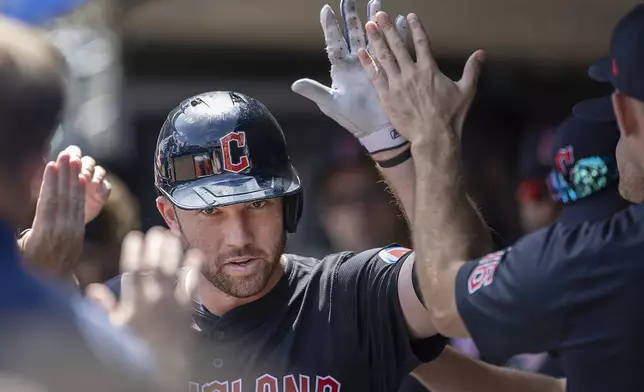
(221, 148)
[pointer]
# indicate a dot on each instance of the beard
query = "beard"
(241, 286)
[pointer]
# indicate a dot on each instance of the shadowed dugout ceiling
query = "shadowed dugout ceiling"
(572, 30)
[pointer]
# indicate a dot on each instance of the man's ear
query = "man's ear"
(625, 114)
(167, 211)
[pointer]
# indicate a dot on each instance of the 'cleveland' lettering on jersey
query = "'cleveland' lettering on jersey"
(268, 383)
(324, 327)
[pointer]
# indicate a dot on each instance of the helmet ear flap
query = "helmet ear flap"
(293, 206)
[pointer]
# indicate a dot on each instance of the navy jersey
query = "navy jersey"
(328, 325)
(54, 340)
(575, 291)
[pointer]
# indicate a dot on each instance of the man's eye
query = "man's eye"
(209, 211)
(257, 204)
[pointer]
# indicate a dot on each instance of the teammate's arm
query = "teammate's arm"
(454, 372)
(401, 178)
(429, 109)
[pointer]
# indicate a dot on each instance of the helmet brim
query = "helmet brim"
(228, 189)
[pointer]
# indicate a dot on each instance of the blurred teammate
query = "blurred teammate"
(355, 210)
(624, 71)
(536, 208)
(50, 339)
(105, 234)
(584, 178)
(31, 73)
(570, 289)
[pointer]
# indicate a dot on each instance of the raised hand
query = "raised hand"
(351, 100)
(97, 189)
(54, 243)
(157, 285)
(417, 96)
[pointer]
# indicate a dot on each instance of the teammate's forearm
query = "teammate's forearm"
(400, 179)
(454, 372)
(447, 230)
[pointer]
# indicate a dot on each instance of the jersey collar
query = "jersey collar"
(244, 318)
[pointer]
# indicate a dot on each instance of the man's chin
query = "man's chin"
(244, 286)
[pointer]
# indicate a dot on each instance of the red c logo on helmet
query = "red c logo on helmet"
(233, 144)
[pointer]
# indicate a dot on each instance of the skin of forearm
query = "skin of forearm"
(448, 229)
(454, 372)
(401, 180)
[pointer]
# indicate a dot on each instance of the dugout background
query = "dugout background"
(538, 55)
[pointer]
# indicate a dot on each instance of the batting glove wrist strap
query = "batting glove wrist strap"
(382, 140)
(396, 160)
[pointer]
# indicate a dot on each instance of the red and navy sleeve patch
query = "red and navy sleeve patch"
(393, 254)
(483, 274)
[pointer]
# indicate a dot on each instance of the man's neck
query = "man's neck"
(219, 303)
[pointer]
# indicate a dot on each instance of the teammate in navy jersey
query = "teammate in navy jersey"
(588, 142)
(574, 289)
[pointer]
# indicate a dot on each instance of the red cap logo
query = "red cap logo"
(614, 69)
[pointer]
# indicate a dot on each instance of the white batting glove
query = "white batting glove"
(351, 101)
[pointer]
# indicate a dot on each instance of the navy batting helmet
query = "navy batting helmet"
(222, 148)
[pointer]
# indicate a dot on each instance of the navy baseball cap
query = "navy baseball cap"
(534, 152)
(625, 66)
(600, 70)
(584, 172)
(596, 109)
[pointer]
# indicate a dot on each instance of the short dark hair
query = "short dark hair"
(32, 91)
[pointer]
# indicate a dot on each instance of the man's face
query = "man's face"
(242, 243)
(630, 116)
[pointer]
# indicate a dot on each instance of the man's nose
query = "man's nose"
(237, 233)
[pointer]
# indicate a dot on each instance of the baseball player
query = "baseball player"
(591, 142)
(30, 103)
(269, 321)
(571, 289)
(50, 339)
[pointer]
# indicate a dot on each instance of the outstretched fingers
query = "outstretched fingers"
(336, 46)
(472, 72)
(375, 72)
(354, 34)
(394, 41)
(380, 51)
(421, 42)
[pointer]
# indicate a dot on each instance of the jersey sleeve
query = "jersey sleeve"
(366, 287)
(512, 301)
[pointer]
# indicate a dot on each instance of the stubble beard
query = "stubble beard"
(246, 286)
